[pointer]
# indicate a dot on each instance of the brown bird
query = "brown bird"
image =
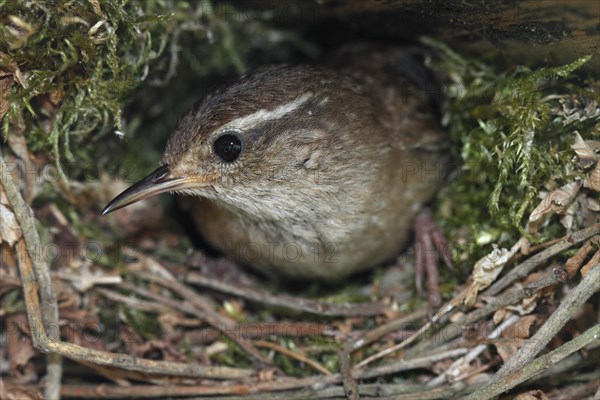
(308, 172)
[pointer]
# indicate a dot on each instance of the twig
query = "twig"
(512, 379)
(444, 392)
(532, 249)
(394, 348)
(568, 306)
(250, 331)
(406, 365)
(294, 303)
(147, 306)
(285, 384)
(382, 330)
(45, 344)
(575, 263)
(294, 355)
(523, 269)
(557, 275)
(171, 302)
(49, 309)
(454, 370)
(373, 391)
(512, 297)
(351, 390)
(578, 391)
(261, 390)
(429, 347)
(570, 365)
(201, 310)
(593, 261)
(412, 338)
(84, 280)
(350, 384)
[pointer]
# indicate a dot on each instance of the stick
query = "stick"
(45, 344)
(454, 369)
(49, 309)
(294, 303)
(296, 356)
(536, 366)
(406, 365)
(351, 390)
(569, 305)
(375, 391)
(524, 268)
(202, 311)
(557, 275)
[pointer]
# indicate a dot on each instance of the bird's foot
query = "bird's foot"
(430, 246)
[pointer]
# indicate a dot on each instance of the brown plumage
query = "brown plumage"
(333, 164)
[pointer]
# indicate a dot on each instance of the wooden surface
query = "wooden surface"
(548, 32)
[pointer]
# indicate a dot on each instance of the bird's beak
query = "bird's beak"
(157, 182)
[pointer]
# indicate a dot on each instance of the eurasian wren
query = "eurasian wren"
(306, 172)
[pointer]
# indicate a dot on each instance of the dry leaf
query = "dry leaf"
(441, 366)
(23, 353)
(585, 150)
(215, 348)
(20, 351)
(85, 279)
(18, 145)
(3, 198)
(569, 217)
(487, 269)
(532, 395)
(506, 349)
(593, 180)
(555, 201)
(8, 68)
(6, 83)
(267, 374)
(12, 391)
(56, 95)
(522, 329)
(10, 231)
(591, 204)
(9, 74)
(20, 30)
(96, 5)
(594, 261)
(574, 263)
(526, 306)
(500, 315)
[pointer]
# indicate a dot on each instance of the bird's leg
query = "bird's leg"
(430, 245)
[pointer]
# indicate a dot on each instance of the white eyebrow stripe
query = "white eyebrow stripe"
(262, 115)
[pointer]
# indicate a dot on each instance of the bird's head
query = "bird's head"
(252, 141)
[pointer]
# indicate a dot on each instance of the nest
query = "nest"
(122, 307)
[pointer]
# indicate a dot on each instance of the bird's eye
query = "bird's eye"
(228, 147)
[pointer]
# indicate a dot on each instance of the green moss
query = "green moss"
(12, 302)
(146, 324)
(93, 58)
(525, 116)
(90, 55)
(512, 130)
